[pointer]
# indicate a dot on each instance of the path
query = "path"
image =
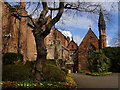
(86, 81)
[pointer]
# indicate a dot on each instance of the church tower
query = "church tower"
(102, 31)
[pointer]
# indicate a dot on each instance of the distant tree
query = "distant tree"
(46, 20)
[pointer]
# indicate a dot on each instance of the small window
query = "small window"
(91, 37)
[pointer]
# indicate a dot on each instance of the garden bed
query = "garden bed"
(30, 84)
(99, 74)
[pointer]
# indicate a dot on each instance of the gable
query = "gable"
(89, 39)
(72, 45)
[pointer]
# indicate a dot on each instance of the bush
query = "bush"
(81, 71)
(98, 62)
(11, 58)
(51, 61)
(69, 79)
(16, 72)
(65, 70)
(53, 73)
(113, 53)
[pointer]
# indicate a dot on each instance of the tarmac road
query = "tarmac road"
(87, 81)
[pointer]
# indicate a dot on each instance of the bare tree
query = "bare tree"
(47, 21)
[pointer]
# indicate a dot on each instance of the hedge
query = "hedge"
(11, 58)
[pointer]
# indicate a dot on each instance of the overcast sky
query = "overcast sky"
(78, 26)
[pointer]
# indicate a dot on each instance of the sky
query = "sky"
(77, 26)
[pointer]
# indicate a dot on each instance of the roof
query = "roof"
(62, 34)
(89, 31)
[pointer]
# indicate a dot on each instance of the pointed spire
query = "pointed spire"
(101, 22)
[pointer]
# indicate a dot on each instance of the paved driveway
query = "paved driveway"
(86, 81)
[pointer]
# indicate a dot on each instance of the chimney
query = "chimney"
(22, 4)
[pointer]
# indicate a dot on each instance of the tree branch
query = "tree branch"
(54, 20)
(43, 14)
(82, 9)
(53, 8)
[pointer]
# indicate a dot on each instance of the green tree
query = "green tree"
(98, 62)
(113, 53)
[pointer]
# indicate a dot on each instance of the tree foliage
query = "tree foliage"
(113, 53)
(11, 58)
(98, 62)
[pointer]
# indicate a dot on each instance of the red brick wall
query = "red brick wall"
(89, 39)
(9, 26)
(72, 46)
(56, 35)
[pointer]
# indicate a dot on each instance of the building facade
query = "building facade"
(17, 37)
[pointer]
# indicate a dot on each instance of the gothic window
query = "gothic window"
(91, 49)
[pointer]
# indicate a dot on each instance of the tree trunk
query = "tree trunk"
(40, 62)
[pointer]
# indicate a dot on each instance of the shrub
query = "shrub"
(51, 61)
(99, 74)
(53, 73)
(11, 58)
(65, 70)
(113, 53)
(98, 62)
(81, 71)
(16, 72)
(69, 79)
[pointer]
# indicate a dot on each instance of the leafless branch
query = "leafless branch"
(43, 14)
(54, 20)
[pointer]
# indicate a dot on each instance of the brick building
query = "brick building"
(17, 37)
(91, 43)
(72, 64)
